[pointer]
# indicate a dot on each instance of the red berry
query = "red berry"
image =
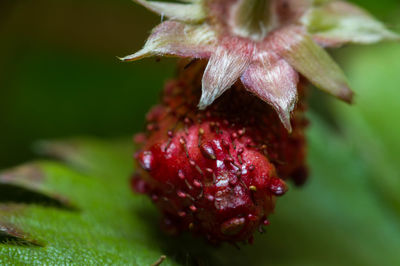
(217, 172)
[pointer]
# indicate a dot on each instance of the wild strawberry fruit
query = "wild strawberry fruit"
(217, 172)
(230, 130)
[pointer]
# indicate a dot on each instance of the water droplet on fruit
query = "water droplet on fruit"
(146, 159)
(277, 186)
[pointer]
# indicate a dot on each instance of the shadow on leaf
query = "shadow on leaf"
(15, 194)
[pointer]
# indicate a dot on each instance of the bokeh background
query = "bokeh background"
(59, 75)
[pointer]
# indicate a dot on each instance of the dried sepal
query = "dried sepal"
(274, 81)
(192, 11)
(225, 66)
(337, 23)
(241, 37)
(172, 38)
(312, 61)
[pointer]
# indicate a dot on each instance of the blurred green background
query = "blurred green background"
(59, 75)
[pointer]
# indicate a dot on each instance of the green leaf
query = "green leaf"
(107, 226)
(337, 218)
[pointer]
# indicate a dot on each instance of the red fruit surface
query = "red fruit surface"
(219, 171)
